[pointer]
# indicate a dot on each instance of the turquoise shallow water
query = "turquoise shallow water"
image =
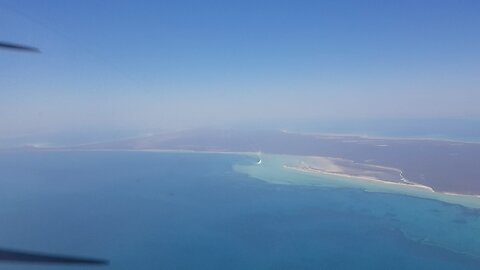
(194, 211)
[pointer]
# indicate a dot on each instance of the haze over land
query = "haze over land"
(250, 134)
(110, 71)
(446, 166)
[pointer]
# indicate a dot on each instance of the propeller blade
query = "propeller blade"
(15, 256)
(17, 47)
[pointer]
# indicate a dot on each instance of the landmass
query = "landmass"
(442, 165)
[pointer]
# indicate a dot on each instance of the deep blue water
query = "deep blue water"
(192, 211)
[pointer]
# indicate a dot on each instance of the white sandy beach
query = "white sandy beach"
(287, 169)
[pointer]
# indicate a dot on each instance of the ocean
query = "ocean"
(146, 210)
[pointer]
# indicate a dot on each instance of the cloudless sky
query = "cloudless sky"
(178, 64)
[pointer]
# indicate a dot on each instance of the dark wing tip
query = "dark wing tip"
(18, 47)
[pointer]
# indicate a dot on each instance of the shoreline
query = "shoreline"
(339, 164)
(294, 175)
(373, 137)
(46, 149)
(364, 178)
(358, 181)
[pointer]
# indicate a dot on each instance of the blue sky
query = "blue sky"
(179, 64)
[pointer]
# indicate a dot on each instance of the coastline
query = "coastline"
(360, 178)
(349, 168)
(187, 151)
(373, 137)
(444, 166)
(412, 218)
(281, 169)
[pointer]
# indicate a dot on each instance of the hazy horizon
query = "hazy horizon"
(250, 134)
(108, 66)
